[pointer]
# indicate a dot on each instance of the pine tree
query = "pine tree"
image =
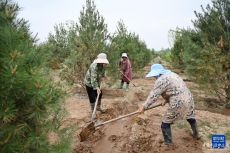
(60, 45)
(90, 40)
(206, 51)
(176, 52)
(153, 53)
(31, 103)
(130, 43)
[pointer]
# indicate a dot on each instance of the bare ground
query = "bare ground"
(139, 133)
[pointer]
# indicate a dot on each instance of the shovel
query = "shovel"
(90, 125)
(127, 78)
(90, 128)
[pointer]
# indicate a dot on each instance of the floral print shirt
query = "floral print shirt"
(173, 89)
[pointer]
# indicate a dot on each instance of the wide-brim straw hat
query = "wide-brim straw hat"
(157, 69)
(124, 55)
(101, 58)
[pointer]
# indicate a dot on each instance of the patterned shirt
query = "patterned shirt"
(94, 75)
(173, 89)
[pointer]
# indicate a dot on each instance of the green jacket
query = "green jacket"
(94, 75)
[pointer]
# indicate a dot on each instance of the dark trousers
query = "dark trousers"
(93, 94)
(167, 125)
(123, 81)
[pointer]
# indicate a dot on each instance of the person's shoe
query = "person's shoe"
(195, 133)
(100, 109)
(167, 134)
(121, 85)
(127, 87)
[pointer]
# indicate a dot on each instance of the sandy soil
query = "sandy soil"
(139, 133)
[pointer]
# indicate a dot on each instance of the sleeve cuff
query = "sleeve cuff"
(145, 106)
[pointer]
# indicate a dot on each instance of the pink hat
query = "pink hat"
(101, 58)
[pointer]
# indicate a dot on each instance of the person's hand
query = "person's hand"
(102, 79)
(118, 69)
(98, 91)
(141, 110)
(163, 103)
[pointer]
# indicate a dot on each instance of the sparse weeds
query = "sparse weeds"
(144, 89)
(185, 141)
(217, 110)
(115, 145)
(205, 123)
(227, 135)
(138, 146)
(209, 136)
(181, 125)
(202, 139)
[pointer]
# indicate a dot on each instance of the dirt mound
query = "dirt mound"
(107, 114)
(115, 93)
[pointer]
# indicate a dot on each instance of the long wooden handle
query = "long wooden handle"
(128, 78)
(115, 119)
(95, 106)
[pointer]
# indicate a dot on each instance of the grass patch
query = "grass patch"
(138, 146)
(185, 141)
(115, 145)
(181, 125)
(214, 131)
(205, 123)
(209, 136)
(227, 135)
(203, 140)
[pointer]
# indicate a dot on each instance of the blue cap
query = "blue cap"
(157, 69)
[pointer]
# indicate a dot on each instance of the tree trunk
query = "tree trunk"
(228, 97)
(227, 90)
